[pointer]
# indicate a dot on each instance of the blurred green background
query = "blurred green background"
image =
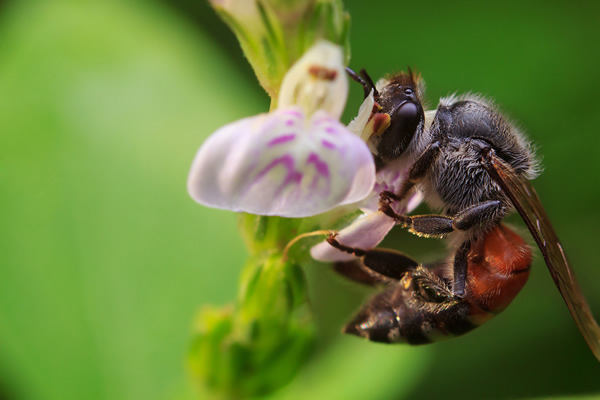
(104, 259)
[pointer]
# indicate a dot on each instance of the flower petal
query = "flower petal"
(365, 112)
(366, 232)
(281, 164)
(369, 122)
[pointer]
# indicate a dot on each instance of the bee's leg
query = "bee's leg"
(460, 269)
(346, 249)
(480, 214)
(417, 171)
(389, 263)
(356, 271)
(438, 226)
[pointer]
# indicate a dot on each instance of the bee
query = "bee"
(474, 165)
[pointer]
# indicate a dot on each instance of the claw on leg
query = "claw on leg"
(387, 197)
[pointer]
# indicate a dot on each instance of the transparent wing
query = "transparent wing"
(529, 206)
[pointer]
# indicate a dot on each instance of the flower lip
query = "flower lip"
(282, 164)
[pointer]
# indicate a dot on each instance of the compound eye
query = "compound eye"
(403, 125)
(408, 113)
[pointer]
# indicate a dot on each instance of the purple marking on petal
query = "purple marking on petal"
(290, 122)
(287, 161)
(292, 175)
(322, 172)
(331, 130)
(320, 166)
(328, 144)
(281, 139)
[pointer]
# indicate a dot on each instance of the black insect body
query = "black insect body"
(473, 165)
(418, 306)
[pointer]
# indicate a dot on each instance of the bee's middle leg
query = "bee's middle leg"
(438, 226)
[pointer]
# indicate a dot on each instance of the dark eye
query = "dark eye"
(408, 91)
(408, 113)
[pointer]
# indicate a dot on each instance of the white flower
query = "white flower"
(296, 161)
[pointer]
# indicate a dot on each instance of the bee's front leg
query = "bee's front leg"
(416, 173)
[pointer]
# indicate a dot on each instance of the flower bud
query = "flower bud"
(317, 81)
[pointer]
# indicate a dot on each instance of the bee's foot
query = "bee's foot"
(386, 197)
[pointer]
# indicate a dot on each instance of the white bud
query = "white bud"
(317, 81)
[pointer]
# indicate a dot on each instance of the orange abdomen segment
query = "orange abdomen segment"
(498, 268)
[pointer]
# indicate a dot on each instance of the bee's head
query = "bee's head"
(401, 97)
